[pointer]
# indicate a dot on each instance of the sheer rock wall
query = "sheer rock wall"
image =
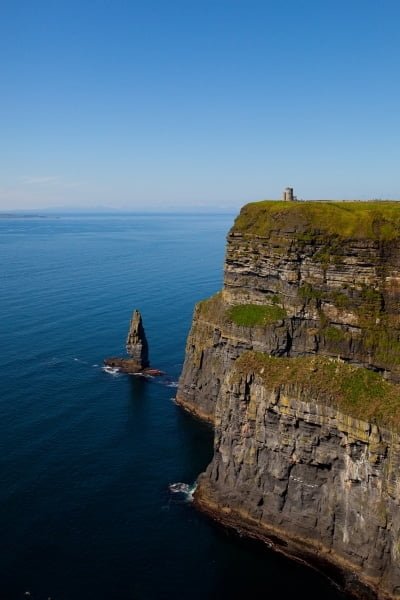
(314, 482)
(341, 299)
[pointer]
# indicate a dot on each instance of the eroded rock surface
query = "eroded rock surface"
(136, 342)
(136, 346)
(291, 465)
(341, 297)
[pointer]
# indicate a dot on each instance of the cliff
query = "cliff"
(300, 278)
(297, 362)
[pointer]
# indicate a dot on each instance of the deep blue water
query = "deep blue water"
(86, 457)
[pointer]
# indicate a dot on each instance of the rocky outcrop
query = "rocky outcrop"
(136, 342)
(307, 447)
(123, 365)
(136, 346)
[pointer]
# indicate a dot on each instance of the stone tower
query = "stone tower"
(288, 194)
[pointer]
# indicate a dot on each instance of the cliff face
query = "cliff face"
(339, 297)
(293, 468)
(306, 448)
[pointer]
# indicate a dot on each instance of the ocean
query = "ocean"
(87, 457)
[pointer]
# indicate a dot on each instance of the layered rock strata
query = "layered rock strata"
(306, 453)
(340, 295)
(293, 467)
(136, 342)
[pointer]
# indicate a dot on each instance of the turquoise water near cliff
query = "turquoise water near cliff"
(86, 457)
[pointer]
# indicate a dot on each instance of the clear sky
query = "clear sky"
(197, 104)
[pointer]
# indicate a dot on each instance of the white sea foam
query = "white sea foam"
(172, 384)
(187, 490)
(110, 370)
(81, 361)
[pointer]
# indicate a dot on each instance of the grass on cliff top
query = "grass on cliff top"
(356, 220)
(245, 315)
(253, 315)
(357, 392)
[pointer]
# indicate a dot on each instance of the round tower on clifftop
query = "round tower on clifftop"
(287, 195)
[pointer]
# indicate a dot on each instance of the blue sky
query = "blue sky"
(197, 104)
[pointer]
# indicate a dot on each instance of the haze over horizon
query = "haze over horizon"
(197, 105)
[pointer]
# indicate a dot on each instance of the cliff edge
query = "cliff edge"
(297, 363)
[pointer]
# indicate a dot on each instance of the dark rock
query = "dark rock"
(137, 347)
(131, 366)
(136, 342)
(125, 365)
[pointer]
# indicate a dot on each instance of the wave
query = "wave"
(80, 361)
(185, 489)
(172, 384)
(110, 370)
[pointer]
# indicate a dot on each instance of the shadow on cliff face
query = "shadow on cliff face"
(197, 439)
(248, 566)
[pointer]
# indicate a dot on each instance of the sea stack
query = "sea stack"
(136, 342)
(137, 348)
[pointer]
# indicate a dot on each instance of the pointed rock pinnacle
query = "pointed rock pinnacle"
(136, 343)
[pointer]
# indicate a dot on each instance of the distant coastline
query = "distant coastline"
(21, 216)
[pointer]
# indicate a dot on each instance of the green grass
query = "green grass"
(334, 334)
(340, 299)
(308, 292)
(356, 391)
(378, 220)
(253, 315)
(382, 341)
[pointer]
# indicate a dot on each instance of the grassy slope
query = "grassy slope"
(357, 220)
(253, 315)
(245, 315)
(357, 392)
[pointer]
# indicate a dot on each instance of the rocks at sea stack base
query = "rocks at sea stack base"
(137, 348)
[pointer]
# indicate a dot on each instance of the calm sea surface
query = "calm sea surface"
(86, 457)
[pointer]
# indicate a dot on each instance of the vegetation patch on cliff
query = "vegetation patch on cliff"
(255, 315)
(245, 315)
(377, 220)
(211, 308)
(357, 392)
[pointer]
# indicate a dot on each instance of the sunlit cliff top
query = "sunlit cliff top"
(348, 219)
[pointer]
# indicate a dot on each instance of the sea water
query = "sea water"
(91, 463)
